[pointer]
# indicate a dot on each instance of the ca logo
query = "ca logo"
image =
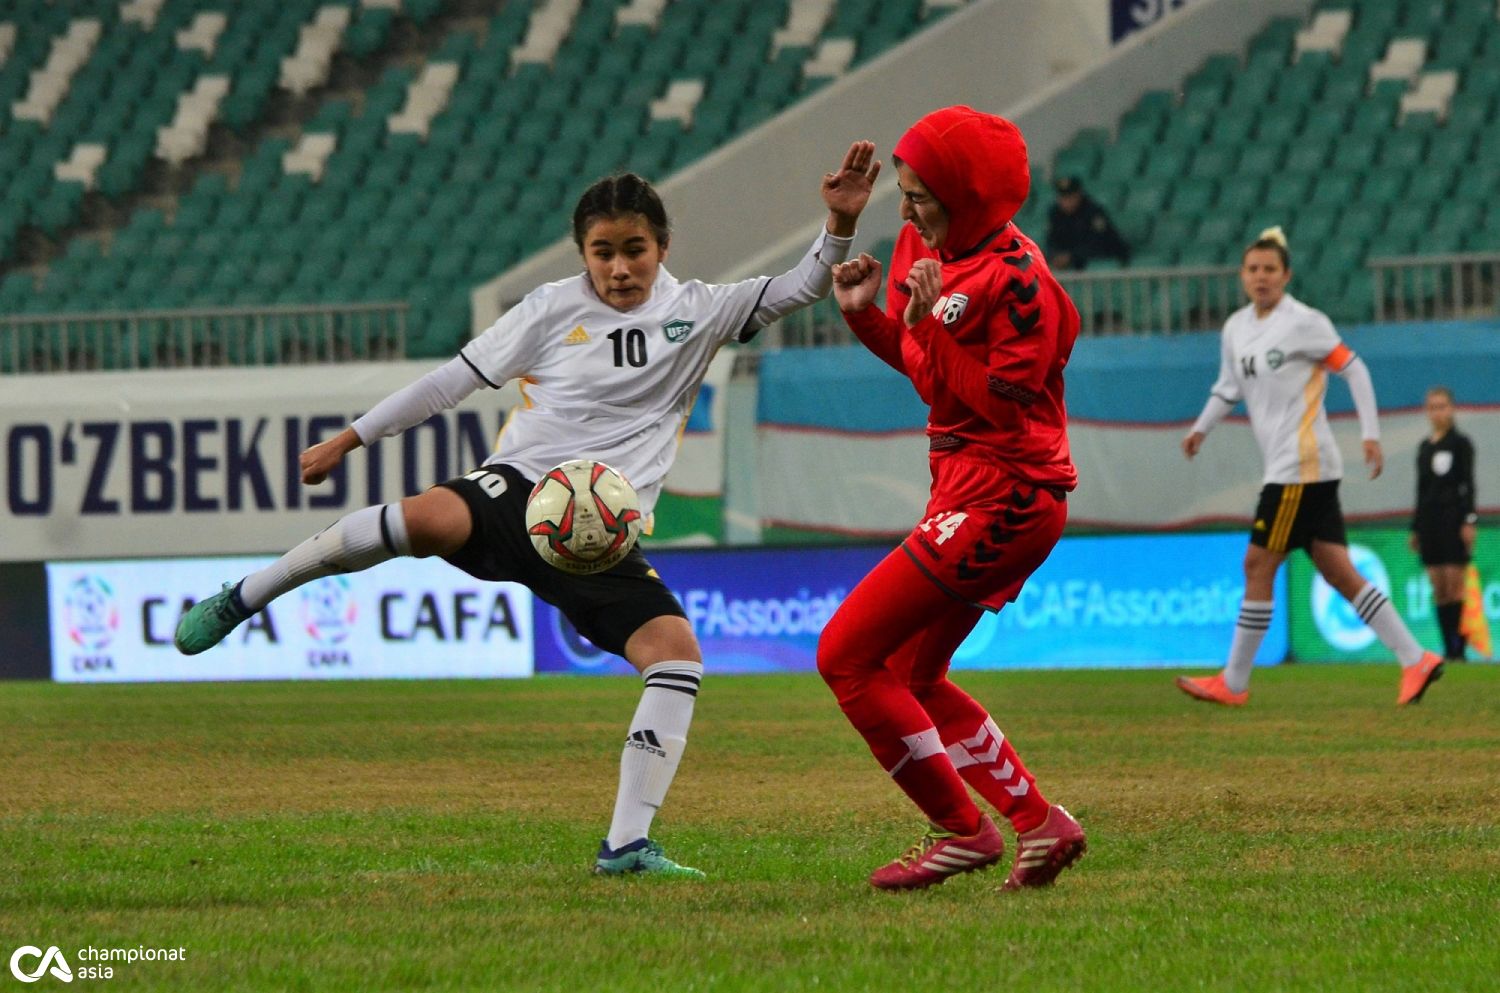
(53, 958)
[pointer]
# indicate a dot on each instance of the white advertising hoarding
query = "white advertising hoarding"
(113, 621)
(204, 462)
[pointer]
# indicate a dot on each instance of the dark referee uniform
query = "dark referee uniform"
(1445, 498)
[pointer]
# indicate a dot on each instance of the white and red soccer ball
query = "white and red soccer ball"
(583, 517)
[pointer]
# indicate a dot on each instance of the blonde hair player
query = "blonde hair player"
(1276, 354)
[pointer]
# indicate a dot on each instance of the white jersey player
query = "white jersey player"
(1275, 356)
(610, 362)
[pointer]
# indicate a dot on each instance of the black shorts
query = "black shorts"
(1294, 515)
(1438, 540)
(606, 608)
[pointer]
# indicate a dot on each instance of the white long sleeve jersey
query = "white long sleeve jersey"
(605, 384)
(1279, 365)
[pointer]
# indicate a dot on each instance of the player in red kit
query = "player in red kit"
(984, 338)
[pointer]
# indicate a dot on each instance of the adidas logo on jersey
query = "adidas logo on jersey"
(647, 742)
(578, 336)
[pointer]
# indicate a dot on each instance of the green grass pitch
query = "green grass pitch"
(436, 836)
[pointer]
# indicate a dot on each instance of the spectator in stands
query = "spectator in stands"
(1079, 231)
(983, 336)
(1445, 526)
(591, 396)
(1275, 355)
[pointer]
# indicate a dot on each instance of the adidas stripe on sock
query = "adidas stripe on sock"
(1375, 609)
(1249, 632)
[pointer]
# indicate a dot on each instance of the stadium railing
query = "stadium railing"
(1116, 301)
(204, 337)
(1426, 287)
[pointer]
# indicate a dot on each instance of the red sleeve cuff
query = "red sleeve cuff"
(870, 320)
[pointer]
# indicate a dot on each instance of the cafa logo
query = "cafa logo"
(1274, 358)
(677, 331)
(90, 615)
(329, 610)
(51, 960)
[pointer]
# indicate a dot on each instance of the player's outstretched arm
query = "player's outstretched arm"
(442, 388)
(845, 194)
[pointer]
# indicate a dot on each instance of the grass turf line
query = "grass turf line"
(436, 836)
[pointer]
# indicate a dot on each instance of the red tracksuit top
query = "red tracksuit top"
(989, 361)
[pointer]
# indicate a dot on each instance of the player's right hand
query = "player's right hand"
(1192, 444)
(925, 282)
(856, 282)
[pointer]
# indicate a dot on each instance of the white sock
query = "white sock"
(1249, 632)
(1376, 610)
(658, 735)
(355, 541)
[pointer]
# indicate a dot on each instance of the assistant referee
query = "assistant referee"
(1444, 526)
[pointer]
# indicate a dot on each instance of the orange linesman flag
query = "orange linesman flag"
(1473, 625)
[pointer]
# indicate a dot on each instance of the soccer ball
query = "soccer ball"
(583, 517)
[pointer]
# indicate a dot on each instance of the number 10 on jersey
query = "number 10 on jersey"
(630, 347)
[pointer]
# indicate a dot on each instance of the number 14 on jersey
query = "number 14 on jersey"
(945, 524)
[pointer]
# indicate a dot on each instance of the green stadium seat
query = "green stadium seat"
(1334, 189)
(1343, 88)
(1172, 231)
(1373, 118)
(1287, 193)
(1448, 147)
(1222, 229)
(1214, 161)
(1486, 239)
(1164, 163)
(1120, 162)
(1307, 157)
(1324, 123)
(1241, 193)
(1232, 127)
(1076, 161)
(1358, 224)
(1147, 195)
(1403, 149)
(1193, 196)
(1187, 128)
(1313, 225)
(1134, 226)
(1383, 186)
(1351, 156)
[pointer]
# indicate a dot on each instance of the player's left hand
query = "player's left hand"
(1374, 458)
(925, 280)
(1468, 534)
(848, 190)
(324, 457)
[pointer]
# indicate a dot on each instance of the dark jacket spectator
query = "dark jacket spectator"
(1079, 231)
